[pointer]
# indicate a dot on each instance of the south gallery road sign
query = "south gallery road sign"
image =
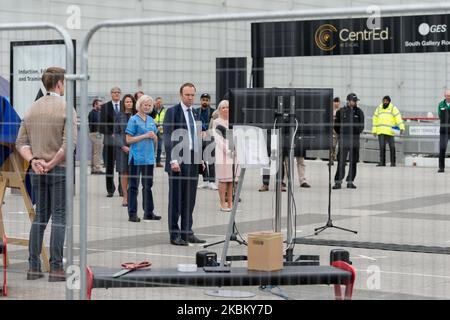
(401, 34)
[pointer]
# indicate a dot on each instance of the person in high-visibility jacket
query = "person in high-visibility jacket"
(158, 116)
(444, 130)
(387, 120)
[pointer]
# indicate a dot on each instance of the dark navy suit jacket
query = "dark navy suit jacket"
(174, 120)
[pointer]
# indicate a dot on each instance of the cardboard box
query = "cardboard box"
(265, 251)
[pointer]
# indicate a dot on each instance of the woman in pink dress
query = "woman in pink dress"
(224, 158)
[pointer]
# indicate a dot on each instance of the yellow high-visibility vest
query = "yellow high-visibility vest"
(384, 119)
(159, 119)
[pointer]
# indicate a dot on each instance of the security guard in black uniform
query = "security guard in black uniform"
(348, 125)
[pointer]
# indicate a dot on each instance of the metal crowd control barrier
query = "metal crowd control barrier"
(69, 98)
(83, 112)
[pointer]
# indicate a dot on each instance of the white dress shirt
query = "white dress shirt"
(118, 106)
(186, 117)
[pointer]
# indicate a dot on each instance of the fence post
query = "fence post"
(70, 55)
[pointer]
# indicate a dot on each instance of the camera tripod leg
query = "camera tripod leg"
(233, 237)
(213, 244)
(319, 230)
(330, 225)
(344, 229)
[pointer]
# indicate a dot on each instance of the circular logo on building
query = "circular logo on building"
(424, 29)
(324, 37)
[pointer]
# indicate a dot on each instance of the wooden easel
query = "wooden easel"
(12, 175)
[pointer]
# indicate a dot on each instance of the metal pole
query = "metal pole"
(289, 234)
(280, 164)
(232, 218)
(70, 177)
(83, 164)
(70, 146)
(296, 14)
(293, 14)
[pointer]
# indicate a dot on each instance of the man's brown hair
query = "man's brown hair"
(188, 84)
(51, 77)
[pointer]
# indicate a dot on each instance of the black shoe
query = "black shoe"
(57, 275)
(178, 242)
(337, 186)
(152, 217)
(393, 165)
(134, 219)
(440, 170)
(110, 195)
(97, 172)
(350, 185)
(194, 239)
(121, 194)
(305, 185)
(381, 165)
(34, 274)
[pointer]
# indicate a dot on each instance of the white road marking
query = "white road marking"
(285, 230)
(126, 230)
(140, 253)
(366, 257)
(410, 274)
(369, 258)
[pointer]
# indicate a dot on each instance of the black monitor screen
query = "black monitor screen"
(313, 111)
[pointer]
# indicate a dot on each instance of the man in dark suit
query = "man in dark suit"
(205, 113)
(183, 162)
(109, 112)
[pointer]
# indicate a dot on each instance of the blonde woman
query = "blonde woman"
(224, 159)
(141, 136)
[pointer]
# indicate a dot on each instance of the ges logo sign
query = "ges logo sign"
(425, 29)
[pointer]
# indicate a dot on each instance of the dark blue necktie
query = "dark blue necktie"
(192, 128)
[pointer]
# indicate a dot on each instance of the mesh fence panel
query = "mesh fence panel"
(403, 205)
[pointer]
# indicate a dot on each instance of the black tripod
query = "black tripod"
(233, 236)
(329, 223)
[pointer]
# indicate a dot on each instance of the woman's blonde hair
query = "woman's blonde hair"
(222, 104)
(142, 100)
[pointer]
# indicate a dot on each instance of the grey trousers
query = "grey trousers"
(97, 151)
(50, 191)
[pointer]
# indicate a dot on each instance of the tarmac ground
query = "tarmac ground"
(400, 205)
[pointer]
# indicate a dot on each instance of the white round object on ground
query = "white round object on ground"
(230, 293)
